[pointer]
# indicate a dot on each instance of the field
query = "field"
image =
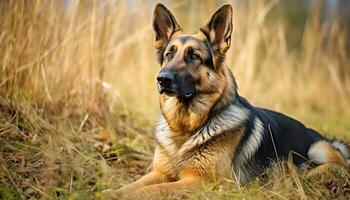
(78, 92)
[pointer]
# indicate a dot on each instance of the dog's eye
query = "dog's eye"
(169, 55)
(194, 56)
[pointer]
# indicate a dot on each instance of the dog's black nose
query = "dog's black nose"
(165, 78)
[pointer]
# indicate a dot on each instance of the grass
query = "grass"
(78, 96)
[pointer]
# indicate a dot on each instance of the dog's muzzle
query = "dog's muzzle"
(170, 85)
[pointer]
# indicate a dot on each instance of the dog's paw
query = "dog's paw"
(110, 194)
(120, 194)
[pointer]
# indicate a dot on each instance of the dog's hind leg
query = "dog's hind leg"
(323, 152)
(344, 149)
(326, 155)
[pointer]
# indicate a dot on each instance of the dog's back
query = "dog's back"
(278, 136)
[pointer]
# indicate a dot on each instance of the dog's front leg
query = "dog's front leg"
(189, 179)
(153, 177)
(164, 189)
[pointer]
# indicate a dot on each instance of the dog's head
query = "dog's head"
(186, 59)
(192, 74)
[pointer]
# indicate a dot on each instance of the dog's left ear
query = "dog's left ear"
(219, 29)
(164, 26)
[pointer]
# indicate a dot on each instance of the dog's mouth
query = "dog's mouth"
(168, 92)
(174, 93)
(189, 95)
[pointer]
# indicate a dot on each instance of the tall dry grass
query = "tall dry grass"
(78, 96)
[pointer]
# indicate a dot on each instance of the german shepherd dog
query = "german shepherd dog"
(206, 131)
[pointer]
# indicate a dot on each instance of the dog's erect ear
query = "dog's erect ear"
(219, 29)
(164, 26)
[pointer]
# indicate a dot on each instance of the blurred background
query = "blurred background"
(78, 91)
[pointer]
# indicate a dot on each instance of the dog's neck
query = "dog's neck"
(184, 118)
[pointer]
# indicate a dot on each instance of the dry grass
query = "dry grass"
(78, 96)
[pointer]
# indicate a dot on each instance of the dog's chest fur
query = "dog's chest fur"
(210, 150)
(212, 159)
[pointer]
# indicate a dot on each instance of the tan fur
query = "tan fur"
(212, 87)
(172, 174)
(200, 35)
(159, 44)
(326, 157)
(328, 153)
(204, 160)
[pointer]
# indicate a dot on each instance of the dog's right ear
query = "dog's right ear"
(164, 26)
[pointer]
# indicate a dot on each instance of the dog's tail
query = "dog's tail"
(343, 148)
